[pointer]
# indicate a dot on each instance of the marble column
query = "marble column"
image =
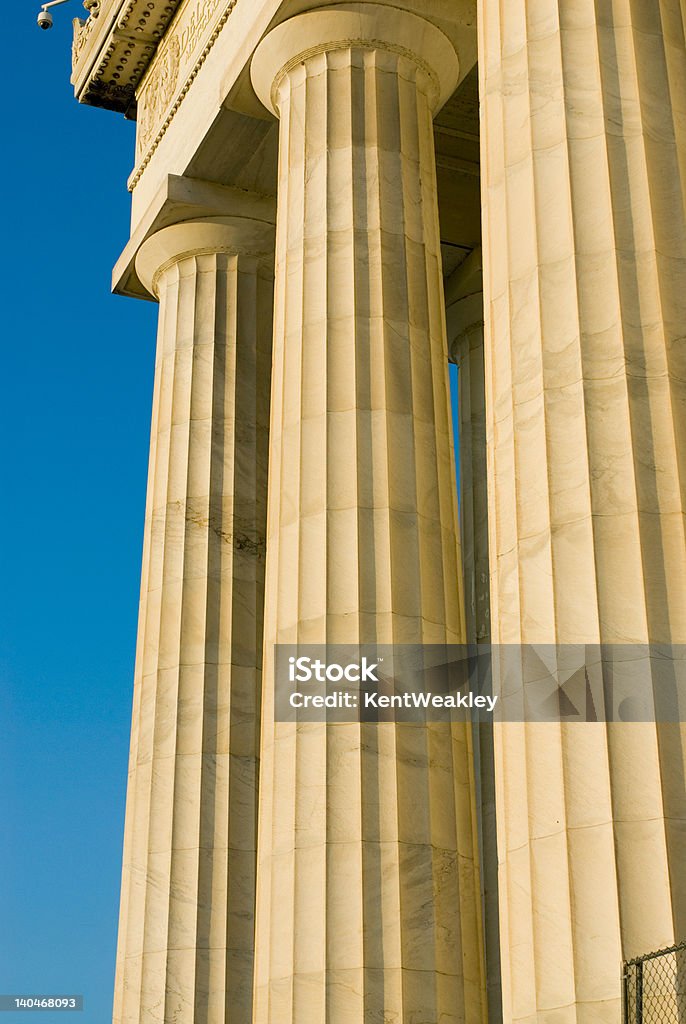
(368, 905)
(583, 114)
(187, 910)
(465, 329)
(465, 326)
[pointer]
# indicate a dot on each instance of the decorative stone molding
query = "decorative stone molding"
(181, 54)
(83, 28)
(196, 714)
(177, 201)
(365, 26)
(113, 49)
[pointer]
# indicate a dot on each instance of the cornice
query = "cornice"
(113, 48)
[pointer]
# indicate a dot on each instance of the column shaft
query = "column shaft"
(465, 325)
(583, 108)
(367, 879)
(187, 908)
(474, 506)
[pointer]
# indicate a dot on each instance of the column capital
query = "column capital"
(184, 934)
(465, 326)
(364, 25)
(236, 235)
(464, 307)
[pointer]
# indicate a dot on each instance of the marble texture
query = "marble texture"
(465, 327)
(188, 890)
(368, 879)
(584, 245)
(368, 903)
(465, 331)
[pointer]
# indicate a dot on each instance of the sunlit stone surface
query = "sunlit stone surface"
(187, 912)
(584, 272)
(557, 259)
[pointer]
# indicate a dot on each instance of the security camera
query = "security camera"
(45, 17)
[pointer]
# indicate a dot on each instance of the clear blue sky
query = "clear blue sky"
(75, 410)
(75, 407)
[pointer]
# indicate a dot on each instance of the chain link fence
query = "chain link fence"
(655, 987)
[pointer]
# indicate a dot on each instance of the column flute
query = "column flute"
(584, 263)
(368, 904)
(188, 888)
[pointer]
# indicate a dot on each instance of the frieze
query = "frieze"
(83, 28)
(176, 57)
(202, 56)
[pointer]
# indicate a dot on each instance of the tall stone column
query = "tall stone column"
(464, 303)
(187, 909)
(465, 326)
(583, 108)
(368, 904)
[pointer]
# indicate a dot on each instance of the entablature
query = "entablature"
(181, 68)
(113, 48)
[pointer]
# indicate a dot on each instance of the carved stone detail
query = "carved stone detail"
(192, 74)
(83, 27)
(159, 91)
(120, 47)
(175, 57)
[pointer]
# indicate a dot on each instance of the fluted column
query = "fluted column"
(465, 328)
(583, 113)
(368, 903)
(187, 908)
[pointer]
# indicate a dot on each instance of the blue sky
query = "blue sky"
(75, 410)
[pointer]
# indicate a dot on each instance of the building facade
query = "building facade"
(330, 201)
